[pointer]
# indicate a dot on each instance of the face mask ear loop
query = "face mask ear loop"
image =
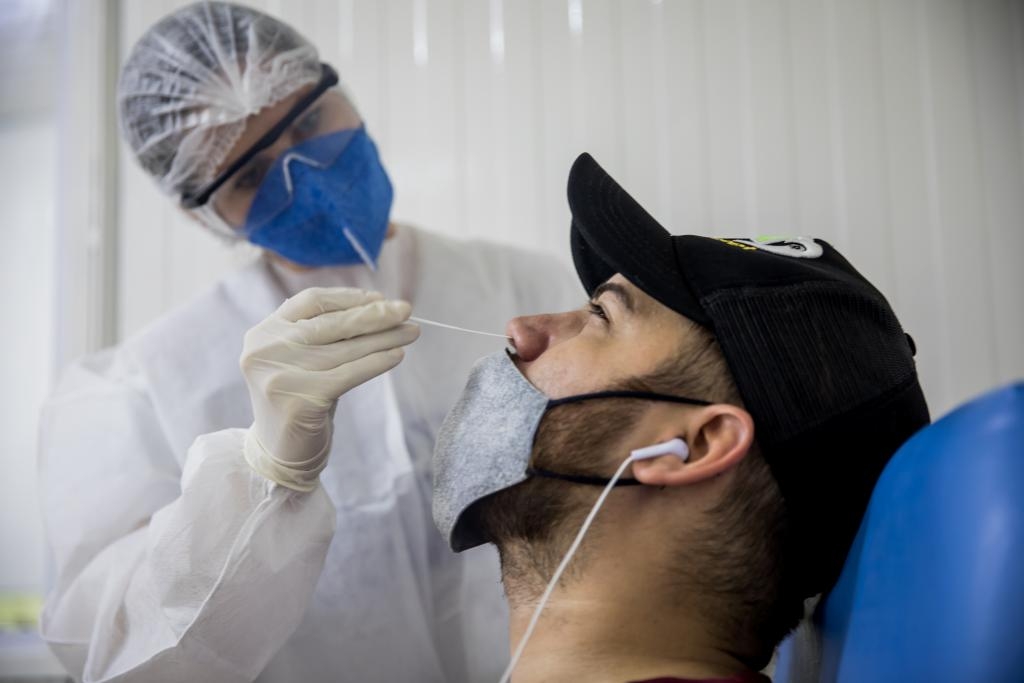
(360, 249)
(561, 569)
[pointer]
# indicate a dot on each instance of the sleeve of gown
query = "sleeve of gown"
(164, 574)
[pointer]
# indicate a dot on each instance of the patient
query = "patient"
(773, 382)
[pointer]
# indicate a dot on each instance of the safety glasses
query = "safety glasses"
(328, 78)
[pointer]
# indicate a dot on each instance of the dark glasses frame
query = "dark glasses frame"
(328, 78)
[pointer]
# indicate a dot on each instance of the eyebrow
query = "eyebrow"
(624, 295)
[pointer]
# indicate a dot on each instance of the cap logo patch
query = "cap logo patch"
(794, 247)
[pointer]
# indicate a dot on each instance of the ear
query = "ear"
(719, 437)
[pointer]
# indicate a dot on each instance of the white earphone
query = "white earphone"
(676, 447)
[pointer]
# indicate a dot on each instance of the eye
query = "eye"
(251, 176)
(309, 124)
(597, 311)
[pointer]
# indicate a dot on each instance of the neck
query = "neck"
(628, 635)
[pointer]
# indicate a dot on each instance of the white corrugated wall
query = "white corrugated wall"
(892, 128)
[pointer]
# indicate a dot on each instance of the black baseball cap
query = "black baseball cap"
(819, 358)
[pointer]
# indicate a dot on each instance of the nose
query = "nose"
(532, 335)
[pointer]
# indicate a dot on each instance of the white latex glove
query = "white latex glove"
(297, 362)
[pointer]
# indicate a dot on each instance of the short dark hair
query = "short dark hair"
(739, 562)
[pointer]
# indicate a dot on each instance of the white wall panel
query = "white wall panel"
(862, 206)
(29, 281)
(916, 283)
(642, 71)
(997, 93)
(892, 128)
(768, 116)
(812, 88)
(684, 152)
(731, 151)
(960, 234)
(164, 257)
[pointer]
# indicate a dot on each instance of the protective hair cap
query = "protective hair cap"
(194, 77)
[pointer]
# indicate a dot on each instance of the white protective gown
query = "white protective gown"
(176, 562)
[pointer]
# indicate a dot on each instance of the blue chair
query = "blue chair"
(933, 587)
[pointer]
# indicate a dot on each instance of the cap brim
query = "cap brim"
(611, 233)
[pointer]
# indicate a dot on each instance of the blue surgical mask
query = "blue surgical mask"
(325, 202)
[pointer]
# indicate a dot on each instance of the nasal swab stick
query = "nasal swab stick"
(360, 249)
(365, 256)
(422, 321)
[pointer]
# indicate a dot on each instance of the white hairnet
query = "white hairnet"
(195, 76)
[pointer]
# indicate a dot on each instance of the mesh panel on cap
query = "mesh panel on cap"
(827, 374)
(801, 354)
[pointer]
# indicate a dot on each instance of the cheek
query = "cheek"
(567, 370)
(233, 206)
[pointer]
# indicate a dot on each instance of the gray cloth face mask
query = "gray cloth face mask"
(485, 443)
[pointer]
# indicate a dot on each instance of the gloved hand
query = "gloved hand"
(297, 362)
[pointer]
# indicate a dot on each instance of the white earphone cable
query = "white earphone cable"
(561, 569)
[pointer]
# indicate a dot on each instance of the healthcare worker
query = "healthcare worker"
(191, 547)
